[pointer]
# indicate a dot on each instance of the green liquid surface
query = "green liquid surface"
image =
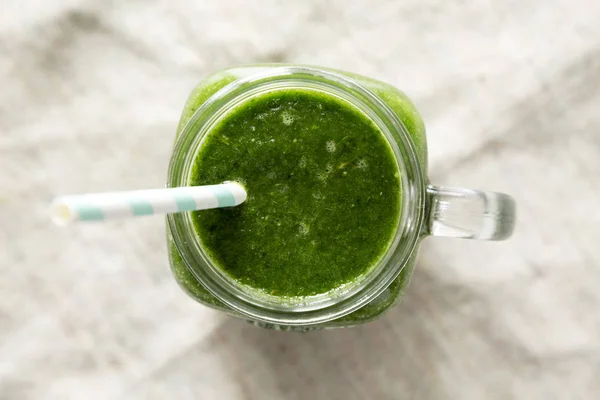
(324, 193)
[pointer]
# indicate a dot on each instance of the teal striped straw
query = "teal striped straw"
(103, 206)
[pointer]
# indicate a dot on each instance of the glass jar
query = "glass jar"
(426, 210)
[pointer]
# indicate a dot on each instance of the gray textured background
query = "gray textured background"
(90, 95)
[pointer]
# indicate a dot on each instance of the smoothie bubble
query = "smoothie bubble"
(302, 162)
(330, 146)
(287, 118)
(362, 164)
(241, 181)
(328, 169)
(283, 188)
(304, 228)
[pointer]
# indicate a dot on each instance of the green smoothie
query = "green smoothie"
(324, 193)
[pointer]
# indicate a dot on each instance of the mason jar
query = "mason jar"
(425, 209)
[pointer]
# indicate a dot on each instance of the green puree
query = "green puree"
(323, 193)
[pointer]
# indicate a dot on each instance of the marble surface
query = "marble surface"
(90, 95)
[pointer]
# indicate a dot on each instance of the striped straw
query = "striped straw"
(103, 206)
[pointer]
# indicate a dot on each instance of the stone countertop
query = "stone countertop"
(90, 98)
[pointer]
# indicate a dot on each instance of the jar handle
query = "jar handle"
(469, 214)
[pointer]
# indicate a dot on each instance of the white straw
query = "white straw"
(103, 206)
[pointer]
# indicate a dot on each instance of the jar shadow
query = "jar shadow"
(400, 354)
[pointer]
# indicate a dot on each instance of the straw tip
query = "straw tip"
(60, 212)
(239, 192)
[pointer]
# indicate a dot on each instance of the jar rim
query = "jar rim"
(312, 309)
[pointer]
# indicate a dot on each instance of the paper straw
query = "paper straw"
(103, 206)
